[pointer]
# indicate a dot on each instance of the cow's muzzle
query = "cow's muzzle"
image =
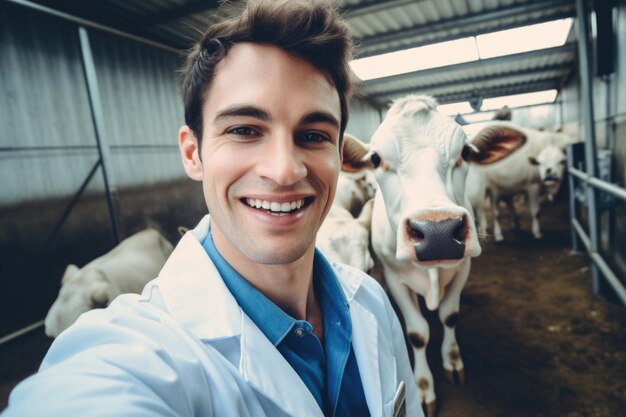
(437, 240)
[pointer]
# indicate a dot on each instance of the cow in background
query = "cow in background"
(345, 234)
(516, 174)
(423, 229)
(127, 268)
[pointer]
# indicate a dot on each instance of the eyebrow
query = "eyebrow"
(244, 110)
(260, 114)
(320, 117)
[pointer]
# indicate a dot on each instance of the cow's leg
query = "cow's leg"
(533, 205)
(495, 213)
(448, 314)
(481, 219)
(510, 205)
(418, 334)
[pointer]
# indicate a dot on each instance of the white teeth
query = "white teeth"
(274, 205)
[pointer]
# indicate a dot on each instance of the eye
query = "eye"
(242, 131)
(376, 159)
(466, 152)
(312, 137)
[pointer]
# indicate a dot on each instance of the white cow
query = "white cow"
(551, 163)
(345, 239)
(125, 269)
(513, 175)
(422, 227)
(345, 234)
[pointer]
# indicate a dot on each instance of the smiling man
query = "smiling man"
(246, 318)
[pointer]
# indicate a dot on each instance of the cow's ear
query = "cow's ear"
(494, 143)
(533, 160)
(100, 294)
(70, 270)
(356, 155)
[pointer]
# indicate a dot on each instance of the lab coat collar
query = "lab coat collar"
(198, 299)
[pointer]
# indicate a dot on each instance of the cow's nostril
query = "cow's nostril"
(437, 240)
(416, 233)
(459, 231)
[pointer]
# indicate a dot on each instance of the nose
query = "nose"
(548, 172)
(438, 240)
(283, 163)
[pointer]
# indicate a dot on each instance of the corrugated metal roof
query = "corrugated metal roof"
(381, 26)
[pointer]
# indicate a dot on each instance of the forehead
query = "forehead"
(260, 74)
(410, 132)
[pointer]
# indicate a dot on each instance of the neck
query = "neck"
(289, 286)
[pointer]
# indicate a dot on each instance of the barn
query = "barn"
(89, 115)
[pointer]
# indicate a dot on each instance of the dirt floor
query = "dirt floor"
(535, 340)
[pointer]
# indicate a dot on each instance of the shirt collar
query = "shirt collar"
(270, 319)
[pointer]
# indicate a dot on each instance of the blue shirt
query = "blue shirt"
(330, 371)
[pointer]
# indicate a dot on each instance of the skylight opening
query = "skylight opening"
(416, 59)
(520, 100)
(524, 39)
(489, 105)
(505, 42)
(453, 109)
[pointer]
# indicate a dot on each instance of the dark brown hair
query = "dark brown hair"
(309, 29)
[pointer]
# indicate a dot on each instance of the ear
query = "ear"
(533, 160)
(70, 270)
(190, 153)
(494, 143)
(100, 294)
(356, 154)
(365, 217)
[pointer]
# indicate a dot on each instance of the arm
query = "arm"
(114, 362)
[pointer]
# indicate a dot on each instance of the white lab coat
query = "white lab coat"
(185, 348)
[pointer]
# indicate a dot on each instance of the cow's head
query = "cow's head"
(420, 159)
(551, 164)
(81, 291)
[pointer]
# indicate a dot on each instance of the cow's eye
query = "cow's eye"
(376, 159)
(466, 152)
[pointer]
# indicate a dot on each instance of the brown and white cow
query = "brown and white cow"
(513, 175)
(345, 234)
(127, 268)
(423, 230)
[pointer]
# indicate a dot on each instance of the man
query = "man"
(246, 318)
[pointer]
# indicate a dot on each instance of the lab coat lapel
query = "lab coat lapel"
(365, 332)
(265, 368)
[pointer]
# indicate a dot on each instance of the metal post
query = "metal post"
(573, 208)
(586, 81)
(98, 122)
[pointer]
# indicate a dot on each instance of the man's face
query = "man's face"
(270, 154)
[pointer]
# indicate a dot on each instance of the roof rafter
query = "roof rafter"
(464, 26)
(472, 65)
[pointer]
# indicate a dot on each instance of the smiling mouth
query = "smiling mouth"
(276, 208)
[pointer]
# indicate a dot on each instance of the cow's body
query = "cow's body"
(345, 239)
(125, 269)
(504, 179)
(423, 230)
(345, 234)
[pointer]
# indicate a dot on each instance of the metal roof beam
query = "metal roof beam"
(498, 91)
(491, 77)
(458, 85)
(464, 26)
(472, 65)
(177, 12)
(374, 6)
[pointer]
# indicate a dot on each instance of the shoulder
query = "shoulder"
(361, 288)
